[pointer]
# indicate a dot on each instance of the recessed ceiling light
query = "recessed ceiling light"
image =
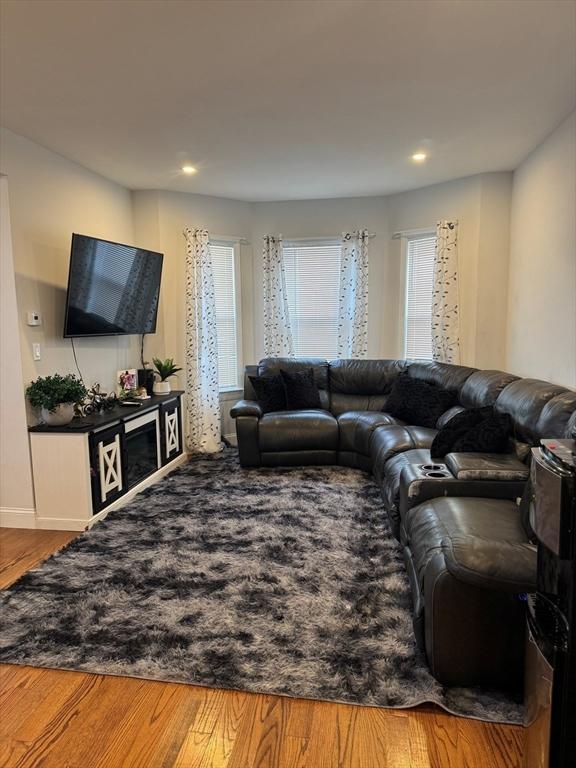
(419, 157)
(189, 169)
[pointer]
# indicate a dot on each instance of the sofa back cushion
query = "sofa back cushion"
(556, 415)
(273, 365)
(249, 391)
(442, 374)
(361, 385)
(418, 402)
(482, 388)
(524, 401)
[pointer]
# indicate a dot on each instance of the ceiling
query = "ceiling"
(287, 99)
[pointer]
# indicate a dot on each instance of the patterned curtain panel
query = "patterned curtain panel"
(353, 300)
(445, 303)
(201, 346)
(278, 341)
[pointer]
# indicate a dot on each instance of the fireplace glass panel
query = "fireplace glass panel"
(141, 454)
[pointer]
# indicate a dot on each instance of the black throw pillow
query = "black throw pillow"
(418, 402)
(301, 390)
(491, 435)
(270, 392)
(455, 428)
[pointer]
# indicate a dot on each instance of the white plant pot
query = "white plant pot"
(162, 388)
(63, 414)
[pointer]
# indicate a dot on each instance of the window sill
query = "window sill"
(229, 392)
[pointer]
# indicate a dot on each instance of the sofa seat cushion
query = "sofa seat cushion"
(357, 427)
(501, 565)
(389, 440)
(440, 520)
(298, 431)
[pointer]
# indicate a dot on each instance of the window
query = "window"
(313, 283)
(418, 303)
(224, 267)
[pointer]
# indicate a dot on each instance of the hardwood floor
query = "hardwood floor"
(55, 719)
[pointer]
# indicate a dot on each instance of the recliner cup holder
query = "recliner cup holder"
(432, 467)
(434, 471)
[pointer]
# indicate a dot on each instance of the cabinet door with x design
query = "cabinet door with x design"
(106, 466)
(171, 429)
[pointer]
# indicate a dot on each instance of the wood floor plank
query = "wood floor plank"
(42, 697)
(22, 549)
(261, 736)
(153, 727)
(216, 749)
(294, 752)
(58, 719)
(459, 741)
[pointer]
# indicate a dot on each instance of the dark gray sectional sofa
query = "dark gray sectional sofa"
(466, 548)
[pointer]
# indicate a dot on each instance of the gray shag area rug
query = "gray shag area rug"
(283, 581)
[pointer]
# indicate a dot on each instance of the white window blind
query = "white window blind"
(419, 280)
(312, 283)
(227, 321)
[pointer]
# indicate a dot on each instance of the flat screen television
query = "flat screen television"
(113, 289)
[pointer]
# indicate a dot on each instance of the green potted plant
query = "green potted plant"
(164, 369)
(56, 396)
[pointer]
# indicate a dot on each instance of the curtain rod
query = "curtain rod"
(230, 239)
(413, 232)
(226, 238)
(317, 239)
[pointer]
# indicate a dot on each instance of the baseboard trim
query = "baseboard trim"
(17, 518)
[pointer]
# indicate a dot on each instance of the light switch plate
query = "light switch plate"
(36, 352)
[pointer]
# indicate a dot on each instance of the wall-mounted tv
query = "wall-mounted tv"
(113, 289)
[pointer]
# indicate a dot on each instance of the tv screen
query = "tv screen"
(113, 289)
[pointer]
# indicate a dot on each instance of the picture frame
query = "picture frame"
(127, 380)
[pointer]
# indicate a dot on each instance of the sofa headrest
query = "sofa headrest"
(442, 374)
(364, 377)
(556, 415)
(524, 400)
(482, 388)
(270, 366)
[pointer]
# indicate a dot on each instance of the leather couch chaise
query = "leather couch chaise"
(460, 526)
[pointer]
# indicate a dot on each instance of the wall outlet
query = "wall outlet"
(33, 318)
(36, 352)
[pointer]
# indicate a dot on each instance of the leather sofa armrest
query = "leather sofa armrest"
(248, 441)
(492, 564)
(486, 466)
(415, 489)
(246, 408)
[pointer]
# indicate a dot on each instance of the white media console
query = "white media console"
(98, 463)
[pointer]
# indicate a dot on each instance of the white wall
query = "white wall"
(541, 337)
(16, 493)
(50, 198)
